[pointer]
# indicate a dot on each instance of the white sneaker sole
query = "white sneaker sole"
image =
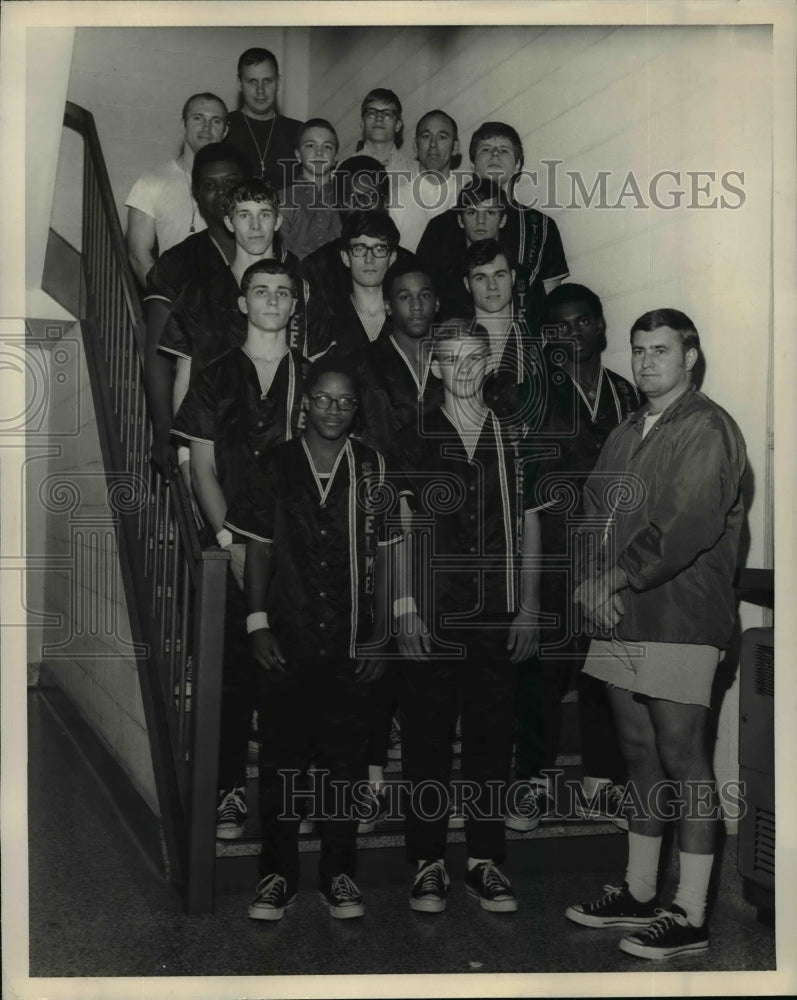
(269, 912)
(343, 912)
(229, 832)
(427, 905)
(587, 920)
(493, 905)
(657, 954)
(520, 824)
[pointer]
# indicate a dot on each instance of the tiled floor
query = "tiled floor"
(98, 909)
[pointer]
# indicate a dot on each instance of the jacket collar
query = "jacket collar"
(667, 414)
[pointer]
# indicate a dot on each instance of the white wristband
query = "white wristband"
(183, 454)
(403, 606)
(257, 620)
(224, 538)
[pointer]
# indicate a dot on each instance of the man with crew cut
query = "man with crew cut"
(266, 137)
(433, 189)
(161, 207)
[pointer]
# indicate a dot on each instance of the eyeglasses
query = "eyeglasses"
(345, 403)
(386, 113)
(361, 249)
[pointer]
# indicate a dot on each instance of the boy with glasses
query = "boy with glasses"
(361, 185)
(240, 406)
(380, 116)
(367, 249)
(315, 523)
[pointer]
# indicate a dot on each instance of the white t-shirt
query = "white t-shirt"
(649, 421)
(417, 200)
(164, 194)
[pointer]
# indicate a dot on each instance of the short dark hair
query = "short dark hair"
(455, 328)
(570, 292)
(374, 223)
(481, 190)
(675, 320)
(316, 123)
(381, 94)
(253, 189)
(364, 172)
(254, 56)
(484, 252)
(268, 266)
(442, 114)
(205, 96)
(404, 265)
(490, 130)
(332, 362)
(218, 152)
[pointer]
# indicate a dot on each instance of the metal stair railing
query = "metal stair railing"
(175, 590)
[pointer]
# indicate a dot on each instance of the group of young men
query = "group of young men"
(394, 416)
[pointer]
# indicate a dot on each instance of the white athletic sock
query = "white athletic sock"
(472, 862)
(643, 866)
(695, 872)
(591, 785)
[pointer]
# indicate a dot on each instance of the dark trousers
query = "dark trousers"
(542, 683)
(239, 673)
(385, 701)
(481, 689)
(316, 711)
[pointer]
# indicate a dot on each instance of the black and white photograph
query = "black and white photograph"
(397, 481)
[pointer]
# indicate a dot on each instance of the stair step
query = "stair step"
(393, 767)
(390, 834)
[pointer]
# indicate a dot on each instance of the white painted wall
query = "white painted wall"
(85, 641)
(48, 57)
(135, 82)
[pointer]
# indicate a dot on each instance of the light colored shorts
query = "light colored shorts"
(672, 671)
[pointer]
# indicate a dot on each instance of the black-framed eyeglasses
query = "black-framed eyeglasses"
(345, 403)
(361, 249)
(385, 113)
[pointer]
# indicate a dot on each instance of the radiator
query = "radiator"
(756, 860)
